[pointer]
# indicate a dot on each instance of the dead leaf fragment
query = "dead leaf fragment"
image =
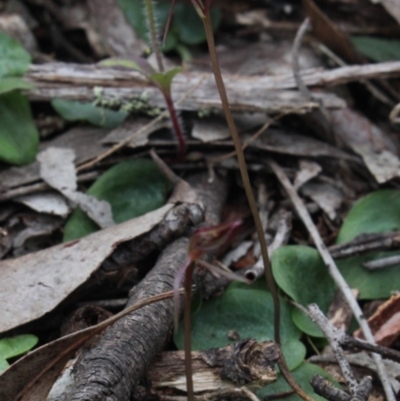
(328, 197)
(385, 322)
(58, 170)
(308, 170)
(392, 7)
(373, 144)
(35, 284)
(46, 202)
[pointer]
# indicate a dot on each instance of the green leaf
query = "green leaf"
(377, 49)
(10, 84)
(19, 137)
(14, 59)
(14, 346)
(77, 111)
(186, 26)
(249, 312)
(164, 80)
(3, 365)
(135, 14)
(300, 272)
(375, 213)
(133, 188)
(303, 375)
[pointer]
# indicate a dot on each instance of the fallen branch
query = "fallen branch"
(247, 94)
(112, 368)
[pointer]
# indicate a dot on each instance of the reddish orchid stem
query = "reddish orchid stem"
(187, 339)
(176, 125)
(250, 196)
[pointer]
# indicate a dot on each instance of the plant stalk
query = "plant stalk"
(153, 34)
(175, 125)
(250, 197)
(187, 327)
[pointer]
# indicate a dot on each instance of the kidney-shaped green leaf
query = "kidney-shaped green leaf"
(133, 188)
(19, 137)
(300, 272)
(14, 59)
(303, 375)
(14, 346)
(377, 49)
(375, 213)
(248, 312)
(9, 84)
(77, 111)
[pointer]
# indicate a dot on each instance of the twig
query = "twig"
(333, 335)
(281, 238)
(381, 263)
(335, 274)
(351, 342)
(366, 243)
(327, 390)
(324, 115)
(124, 142)
(258, 133)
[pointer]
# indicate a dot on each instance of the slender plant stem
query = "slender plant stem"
(243, 171)
(187, 339)
(176, 125)
(151, 20)
(250, 197)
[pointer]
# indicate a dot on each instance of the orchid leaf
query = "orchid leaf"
(19, 137)
(247, 310)
(14, 59)
(375, 213)
(78, 111)
(133, 188)
(300, 273)
(9, 84)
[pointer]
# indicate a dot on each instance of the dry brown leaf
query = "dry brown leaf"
(57, 169)
(31, 377)
(35, 284)
(373, 144)
(385, 322)
(330, 34)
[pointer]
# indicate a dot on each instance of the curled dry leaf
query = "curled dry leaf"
(385, 322)
(58, 170)
(35, 284)
(373, 144)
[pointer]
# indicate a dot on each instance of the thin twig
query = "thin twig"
(381, 263)
(324, 114)
(335, 274)
(351, 342)
(333, 335)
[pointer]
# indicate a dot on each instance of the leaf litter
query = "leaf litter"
(329, 174)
